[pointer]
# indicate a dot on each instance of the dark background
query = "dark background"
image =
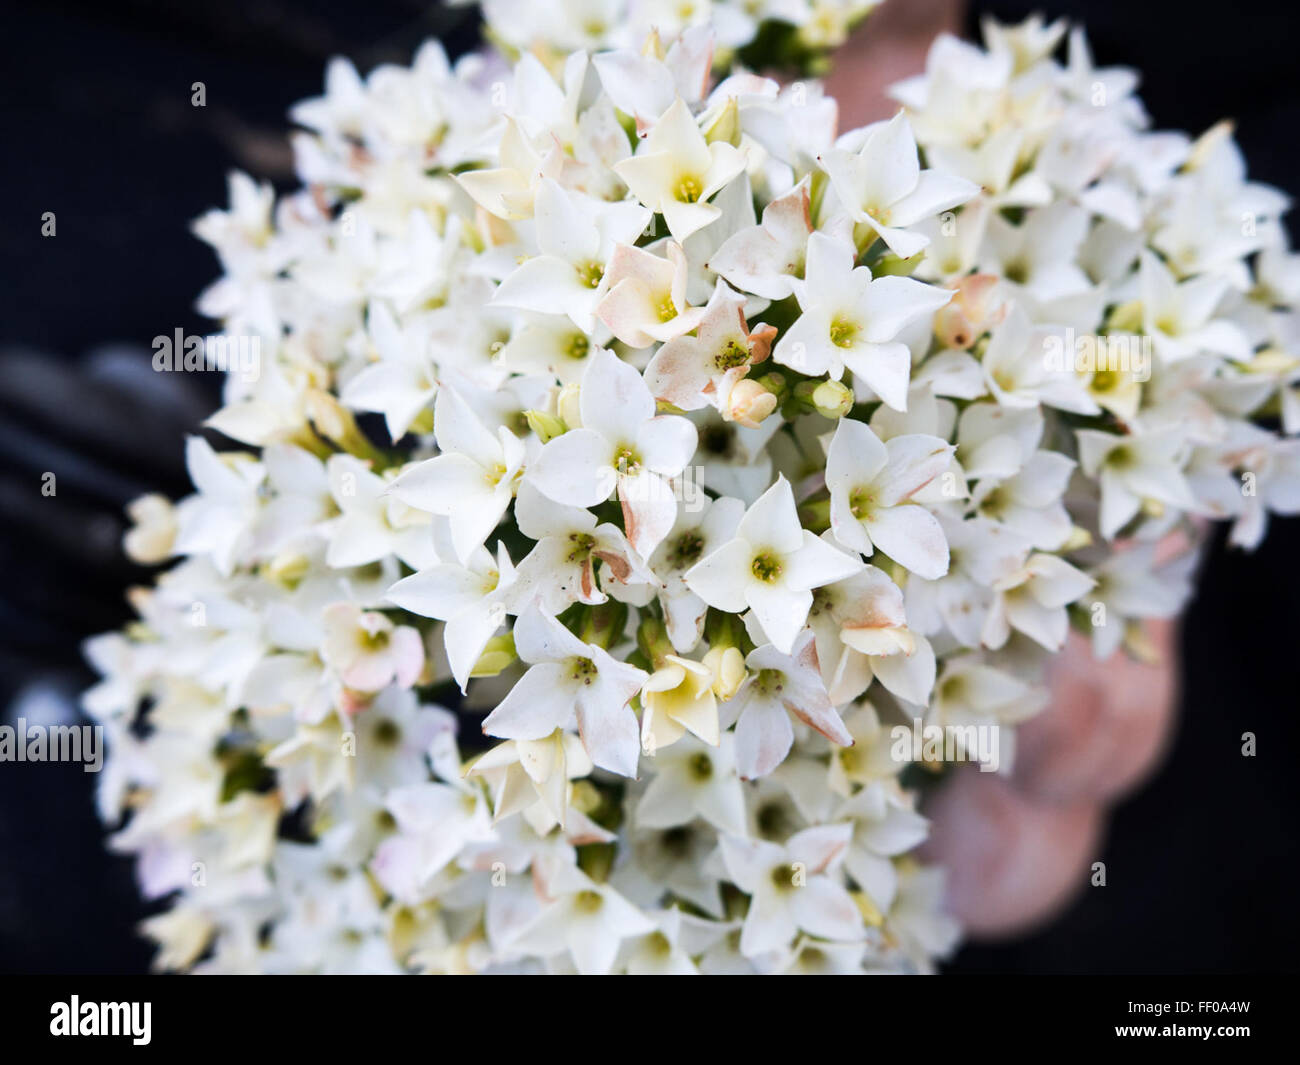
(98, 128)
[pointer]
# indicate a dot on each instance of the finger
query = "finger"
(1012, 863)
(1108, 725)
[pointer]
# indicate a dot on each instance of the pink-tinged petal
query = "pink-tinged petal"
(821, 847)
(369, 673)
(575, 469)
(649, 510)
(764, 736)
(915, 460)
(912, 537)
(407, 650)
(720, 577)
(823, 908)
(910, 677)
(541, 701)
(678, 373)
(627, 309)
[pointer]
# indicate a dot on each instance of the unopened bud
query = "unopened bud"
(566, 405)
(726, 127)
(727, 665)
(1078, 539)
(1126, 318)
(153, 529)
(748, 404)
(338, 425)
(498, 654)
(832, 399)
(546, 426)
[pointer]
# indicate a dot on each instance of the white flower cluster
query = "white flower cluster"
(696, 447)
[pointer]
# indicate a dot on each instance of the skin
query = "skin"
(1019, 848)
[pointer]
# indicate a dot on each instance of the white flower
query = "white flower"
(583, 918)
(676, 171)
(1181, 317)
(472, 482)
(576, 236)
(768, 259)
(678, 698)
(884, 825)
(695, 534)
(694, 780)
(367, 650)
(569, 677)
(691, 372)
(1135, 468)
(1033, 601)
(647, 300)
(780, 685)
(793, 887)
(622, 444)
(401, 383)
(434, 821)
(561, 568)
(524, 774)
(851, 320)
(770, 567)
(469, 598)
(883, 186)
(872, 485)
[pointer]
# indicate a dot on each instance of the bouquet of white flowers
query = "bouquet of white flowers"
(727, 476)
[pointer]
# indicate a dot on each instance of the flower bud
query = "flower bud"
(832, 399)
(546, 426)
(748, 404)
(727, 665)
(566, 405)
(338, 425)
(726, 127)
(973, 310)
(153, 520)
(498, 654)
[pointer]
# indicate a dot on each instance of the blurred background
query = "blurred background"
(100, 130)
